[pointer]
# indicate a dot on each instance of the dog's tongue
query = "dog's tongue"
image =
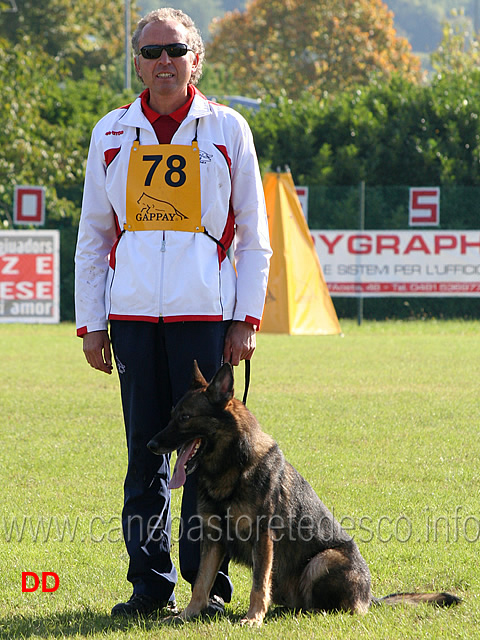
(179, 474)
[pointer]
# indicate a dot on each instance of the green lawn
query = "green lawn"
(383, 422)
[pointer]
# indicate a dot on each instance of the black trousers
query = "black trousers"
(154, 363)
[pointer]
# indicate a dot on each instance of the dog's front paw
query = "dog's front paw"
(254, 621)
(190, 613)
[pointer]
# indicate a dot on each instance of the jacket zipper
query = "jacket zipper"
(163, 249)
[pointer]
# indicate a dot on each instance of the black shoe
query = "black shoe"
(143, 606)
(215, 608)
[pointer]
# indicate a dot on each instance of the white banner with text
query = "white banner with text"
(30, 276)
(400, 263)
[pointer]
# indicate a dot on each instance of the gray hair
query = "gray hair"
(193, 35)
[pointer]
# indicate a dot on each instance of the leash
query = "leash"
(247, 381)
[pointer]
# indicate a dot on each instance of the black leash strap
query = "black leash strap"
(216, 241)
(247, 381)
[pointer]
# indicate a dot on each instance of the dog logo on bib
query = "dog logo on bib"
(154, 209)
(163, 188)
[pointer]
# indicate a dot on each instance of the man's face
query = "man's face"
(165, 77)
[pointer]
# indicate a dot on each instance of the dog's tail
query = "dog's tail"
(441, 599)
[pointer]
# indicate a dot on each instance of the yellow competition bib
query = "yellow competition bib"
(163, 188)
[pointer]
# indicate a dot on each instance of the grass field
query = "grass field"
(383, 422)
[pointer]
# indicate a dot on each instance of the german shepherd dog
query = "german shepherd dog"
(258, 509)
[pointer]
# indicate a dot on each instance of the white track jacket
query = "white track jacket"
(173, 275)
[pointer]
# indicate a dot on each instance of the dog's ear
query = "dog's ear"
(220, 389)
(198, 381)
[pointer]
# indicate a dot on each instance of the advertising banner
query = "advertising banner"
(400, 263)
(29, 276)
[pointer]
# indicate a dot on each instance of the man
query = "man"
(172, 182)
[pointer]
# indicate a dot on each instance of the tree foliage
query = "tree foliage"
(457, 53)
(387, 133)
(396, 133)
(315, 45)
(47, 119)
(81, 33)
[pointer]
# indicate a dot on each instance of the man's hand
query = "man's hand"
(96, 347)
(240, 342)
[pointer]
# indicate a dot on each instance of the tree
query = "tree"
(316, 45)
(457, 53)
(47, 119)
(397, 133)
(82, 33)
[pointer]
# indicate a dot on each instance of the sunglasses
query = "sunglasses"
(152, 51)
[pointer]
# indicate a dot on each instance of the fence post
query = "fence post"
(128, 57)
(361, 226)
